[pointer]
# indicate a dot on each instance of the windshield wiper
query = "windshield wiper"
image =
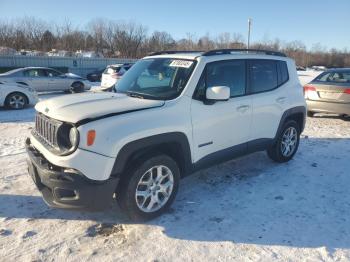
(136, 95)
(140, 95)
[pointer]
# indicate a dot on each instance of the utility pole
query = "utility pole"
(249, 26)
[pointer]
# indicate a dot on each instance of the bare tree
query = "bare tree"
(128, 39)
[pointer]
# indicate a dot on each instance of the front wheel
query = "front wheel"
(149, 187)
(286, 144)
(310, 114)
(77, 87)
(16, 101)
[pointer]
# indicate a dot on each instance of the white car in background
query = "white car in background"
(44, 79)
(113, 73)
(17, 96)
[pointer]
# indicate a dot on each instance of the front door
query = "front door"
(36, 78)
(220, 126)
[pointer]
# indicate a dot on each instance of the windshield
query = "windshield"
(158, 78)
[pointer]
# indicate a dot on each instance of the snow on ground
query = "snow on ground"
(249, 209)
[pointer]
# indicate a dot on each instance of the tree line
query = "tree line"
(132, 40)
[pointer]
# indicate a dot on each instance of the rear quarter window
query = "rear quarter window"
(283, 75)
(263, 75)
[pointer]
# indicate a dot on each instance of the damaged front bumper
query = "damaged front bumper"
(68, 188)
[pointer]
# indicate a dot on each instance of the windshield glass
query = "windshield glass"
(158, 78)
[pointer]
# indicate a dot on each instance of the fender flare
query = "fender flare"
(139, 146)
(287, 114)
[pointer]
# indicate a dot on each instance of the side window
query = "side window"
(52, 73)
(262, 75)
(325, 77)
(230, 73)
(283, 75)
(346, 75)
(341, 77)
(34, 73)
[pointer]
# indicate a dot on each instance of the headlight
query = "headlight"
(74, 136)
(67, 138)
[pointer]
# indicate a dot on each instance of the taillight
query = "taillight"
(308, 88)
(347, 91)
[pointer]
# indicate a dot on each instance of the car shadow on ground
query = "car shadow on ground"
(251, 200)
(332, 116)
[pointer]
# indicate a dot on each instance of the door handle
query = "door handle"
(281, 100)
(242, 108)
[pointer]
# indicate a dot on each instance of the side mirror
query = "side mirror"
(218, 93)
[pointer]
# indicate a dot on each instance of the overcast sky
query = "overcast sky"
(326, 22)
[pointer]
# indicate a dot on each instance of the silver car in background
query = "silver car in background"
(44, 79)
(329, 93)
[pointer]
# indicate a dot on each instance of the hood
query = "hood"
(77, 107)
(73, 76)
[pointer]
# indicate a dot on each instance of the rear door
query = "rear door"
(268, 87)
(330, 87)
(56, 82)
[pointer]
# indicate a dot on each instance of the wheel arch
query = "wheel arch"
(174, 144)
(16, 92)
(77, 82)
(298, 114)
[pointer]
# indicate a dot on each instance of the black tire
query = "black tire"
(126, 192)
(77, 87)
(310, 114)
(275, 151)
(19, 97)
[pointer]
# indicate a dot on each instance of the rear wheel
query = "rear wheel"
(16, 100)
(287, 143)
(310, 114)
(77, 87)
(149, 187)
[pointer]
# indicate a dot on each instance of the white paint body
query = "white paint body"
(8, 88)
(47, 81)
(225, 123)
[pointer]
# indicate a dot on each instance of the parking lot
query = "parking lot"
(235, 211)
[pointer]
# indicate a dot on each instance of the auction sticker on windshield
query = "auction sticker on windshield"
(181, 63)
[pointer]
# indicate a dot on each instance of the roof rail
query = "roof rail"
(170, 52)
(230, 51)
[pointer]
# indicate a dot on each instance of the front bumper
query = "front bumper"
(328, 107)
(67, 188)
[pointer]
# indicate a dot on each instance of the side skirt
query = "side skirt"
(233, 152)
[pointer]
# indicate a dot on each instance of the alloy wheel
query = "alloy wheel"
(289, 141)
(154, 188)
(17, 101)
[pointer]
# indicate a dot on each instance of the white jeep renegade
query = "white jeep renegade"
(171, 114)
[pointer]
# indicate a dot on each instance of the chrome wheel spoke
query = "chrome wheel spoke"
(17, 101)
(289, 141)
(151, 203)
(154, 188)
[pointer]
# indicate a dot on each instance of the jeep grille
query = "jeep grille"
(46, 129)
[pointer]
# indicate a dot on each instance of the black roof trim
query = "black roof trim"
(230, 51)
(170, 52)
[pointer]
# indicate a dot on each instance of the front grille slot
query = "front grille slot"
(46, 129)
